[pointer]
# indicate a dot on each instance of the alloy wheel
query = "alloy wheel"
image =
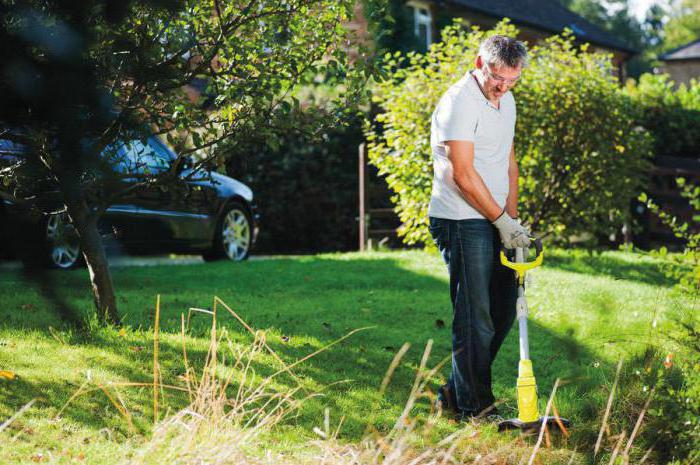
(63, 245)
(235, 235)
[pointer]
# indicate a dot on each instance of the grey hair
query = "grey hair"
(503, 51)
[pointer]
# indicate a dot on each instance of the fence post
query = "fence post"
(363, 203)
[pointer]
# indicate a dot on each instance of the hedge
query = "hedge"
(582, 158)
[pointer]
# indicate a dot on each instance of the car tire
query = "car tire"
(61, 246)
(234, 235)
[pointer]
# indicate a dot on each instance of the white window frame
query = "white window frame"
(422, 16)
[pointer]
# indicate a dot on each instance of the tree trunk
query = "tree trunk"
(100, 275)
(85, 222)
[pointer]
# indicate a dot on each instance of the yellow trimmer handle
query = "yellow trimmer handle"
(521, 268)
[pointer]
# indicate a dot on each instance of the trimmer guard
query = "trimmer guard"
(534, 427)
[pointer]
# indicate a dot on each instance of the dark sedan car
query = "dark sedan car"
(204, 212)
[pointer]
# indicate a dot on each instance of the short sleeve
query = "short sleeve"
(455, 118)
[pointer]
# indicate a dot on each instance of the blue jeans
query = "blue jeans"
(483, 294)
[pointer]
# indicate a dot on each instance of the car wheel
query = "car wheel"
(62, 246)
(234, 235)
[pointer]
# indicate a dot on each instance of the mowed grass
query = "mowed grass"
(587, 312)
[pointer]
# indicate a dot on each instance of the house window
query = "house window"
(423, 23)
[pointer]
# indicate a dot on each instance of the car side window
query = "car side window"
(117, 156)
(8, 146)
(161, 150)
(144, 158)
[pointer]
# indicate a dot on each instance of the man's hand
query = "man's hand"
(512, 233)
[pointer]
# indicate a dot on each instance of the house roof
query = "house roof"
(689, 51)
(549, 15)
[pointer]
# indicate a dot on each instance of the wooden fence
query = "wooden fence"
(378, 222)
(666, 194)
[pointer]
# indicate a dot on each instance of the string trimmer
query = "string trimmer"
(528, 419)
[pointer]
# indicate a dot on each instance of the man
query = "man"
(474, 203)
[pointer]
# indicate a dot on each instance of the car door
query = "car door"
(188, 216)
(121, 220)
(140, 216)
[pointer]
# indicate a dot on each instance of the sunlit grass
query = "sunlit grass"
(587, 312)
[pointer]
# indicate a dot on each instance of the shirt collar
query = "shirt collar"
(475, 90)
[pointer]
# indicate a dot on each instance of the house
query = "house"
(536, 20)
(683, 63)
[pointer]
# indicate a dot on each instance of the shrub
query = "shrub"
(671, 114)
(683, 267)
(676, 413)
(676, 416)
(305, 187)
(581, 158)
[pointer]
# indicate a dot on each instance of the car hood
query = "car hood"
(224, 185)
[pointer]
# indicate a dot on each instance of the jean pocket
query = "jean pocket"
(439, 230)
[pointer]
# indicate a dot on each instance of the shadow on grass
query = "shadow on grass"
(630, 267)
(304, 304)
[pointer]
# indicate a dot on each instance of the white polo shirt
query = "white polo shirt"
(464, 113)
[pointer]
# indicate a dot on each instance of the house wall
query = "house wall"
(682, 71)
(358, 26)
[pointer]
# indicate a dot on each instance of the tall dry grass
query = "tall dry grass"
(230, 422)
(233, 413)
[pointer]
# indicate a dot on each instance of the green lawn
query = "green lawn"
(587, 312)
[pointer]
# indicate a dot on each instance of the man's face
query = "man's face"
(497, 79)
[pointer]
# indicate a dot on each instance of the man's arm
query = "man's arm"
(474, 190)
(461, 155)
(513, 174)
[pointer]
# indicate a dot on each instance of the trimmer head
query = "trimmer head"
(534, 427)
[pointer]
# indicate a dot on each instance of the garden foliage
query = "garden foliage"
(662, 382)
(675, 415)
(581, 157)
(306, 187)
(683, 267)
(672, 115)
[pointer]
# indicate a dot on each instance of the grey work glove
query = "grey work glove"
(512, 233)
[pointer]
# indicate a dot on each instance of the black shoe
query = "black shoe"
(446, 399)
(466, 416)
(490, 415)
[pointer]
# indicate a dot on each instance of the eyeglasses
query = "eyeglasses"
(497, 78)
